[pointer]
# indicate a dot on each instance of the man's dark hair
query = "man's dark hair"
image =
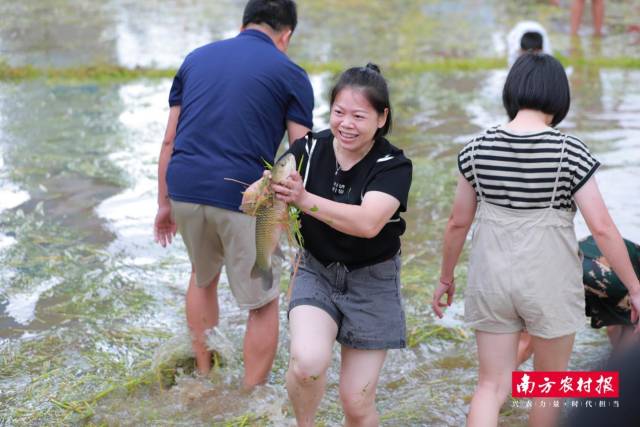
(531, 40)
(370, 81)
(278, 14)
(537, 81)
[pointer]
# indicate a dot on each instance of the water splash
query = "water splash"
(22, 306)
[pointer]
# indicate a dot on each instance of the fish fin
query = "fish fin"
(265, 275)
(249, 208)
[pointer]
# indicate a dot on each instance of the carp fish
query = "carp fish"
(272, 217)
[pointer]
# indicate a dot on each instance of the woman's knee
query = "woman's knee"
(307, 365)
(358, 403)
(498, 389)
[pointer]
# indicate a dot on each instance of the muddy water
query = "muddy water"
(86, 297)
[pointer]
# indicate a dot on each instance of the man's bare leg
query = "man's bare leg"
(202, 315)
(260, 343)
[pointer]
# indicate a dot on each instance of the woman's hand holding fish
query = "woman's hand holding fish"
(291, 190)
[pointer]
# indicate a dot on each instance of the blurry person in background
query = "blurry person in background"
(527, 36)
(597, 14)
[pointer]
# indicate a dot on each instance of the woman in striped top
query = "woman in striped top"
(518, 169)
(522, 182)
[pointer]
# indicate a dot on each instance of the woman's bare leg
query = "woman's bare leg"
(359, 376)
(313, 333)
(549, 355)
(525, 348)
(497, 357)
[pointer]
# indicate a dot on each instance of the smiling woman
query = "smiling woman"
(354, 123)
(360, 111)
(348, 284)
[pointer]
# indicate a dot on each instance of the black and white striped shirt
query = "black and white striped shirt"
(519, 170)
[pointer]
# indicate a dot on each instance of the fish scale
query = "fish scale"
(271, 216)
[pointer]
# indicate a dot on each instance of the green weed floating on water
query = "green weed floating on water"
(171, 358)
(106, 73)
(175, 356)
(422, 333)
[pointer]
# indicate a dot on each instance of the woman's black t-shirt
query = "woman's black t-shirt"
(384, 168)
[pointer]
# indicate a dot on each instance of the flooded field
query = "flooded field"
(87, 298)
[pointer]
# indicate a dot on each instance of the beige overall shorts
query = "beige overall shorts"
(525, 270)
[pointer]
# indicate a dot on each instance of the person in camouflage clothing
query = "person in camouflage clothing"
(606, 297)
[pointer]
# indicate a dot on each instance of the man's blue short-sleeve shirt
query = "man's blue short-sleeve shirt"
(235, 97)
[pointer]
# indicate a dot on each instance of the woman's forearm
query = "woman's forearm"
(605, 233)
(612, 246)
(460, 220)
(355, 220)
(454, 237)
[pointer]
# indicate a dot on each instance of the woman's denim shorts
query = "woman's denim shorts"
(365, 303)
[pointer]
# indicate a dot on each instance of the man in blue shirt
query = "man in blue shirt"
(230, 104)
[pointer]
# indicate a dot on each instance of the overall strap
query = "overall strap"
(473, 168)
(555, 185)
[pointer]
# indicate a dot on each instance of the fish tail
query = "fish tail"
(265, 275)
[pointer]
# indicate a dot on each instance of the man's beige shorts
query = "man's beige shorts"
(215, 237)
